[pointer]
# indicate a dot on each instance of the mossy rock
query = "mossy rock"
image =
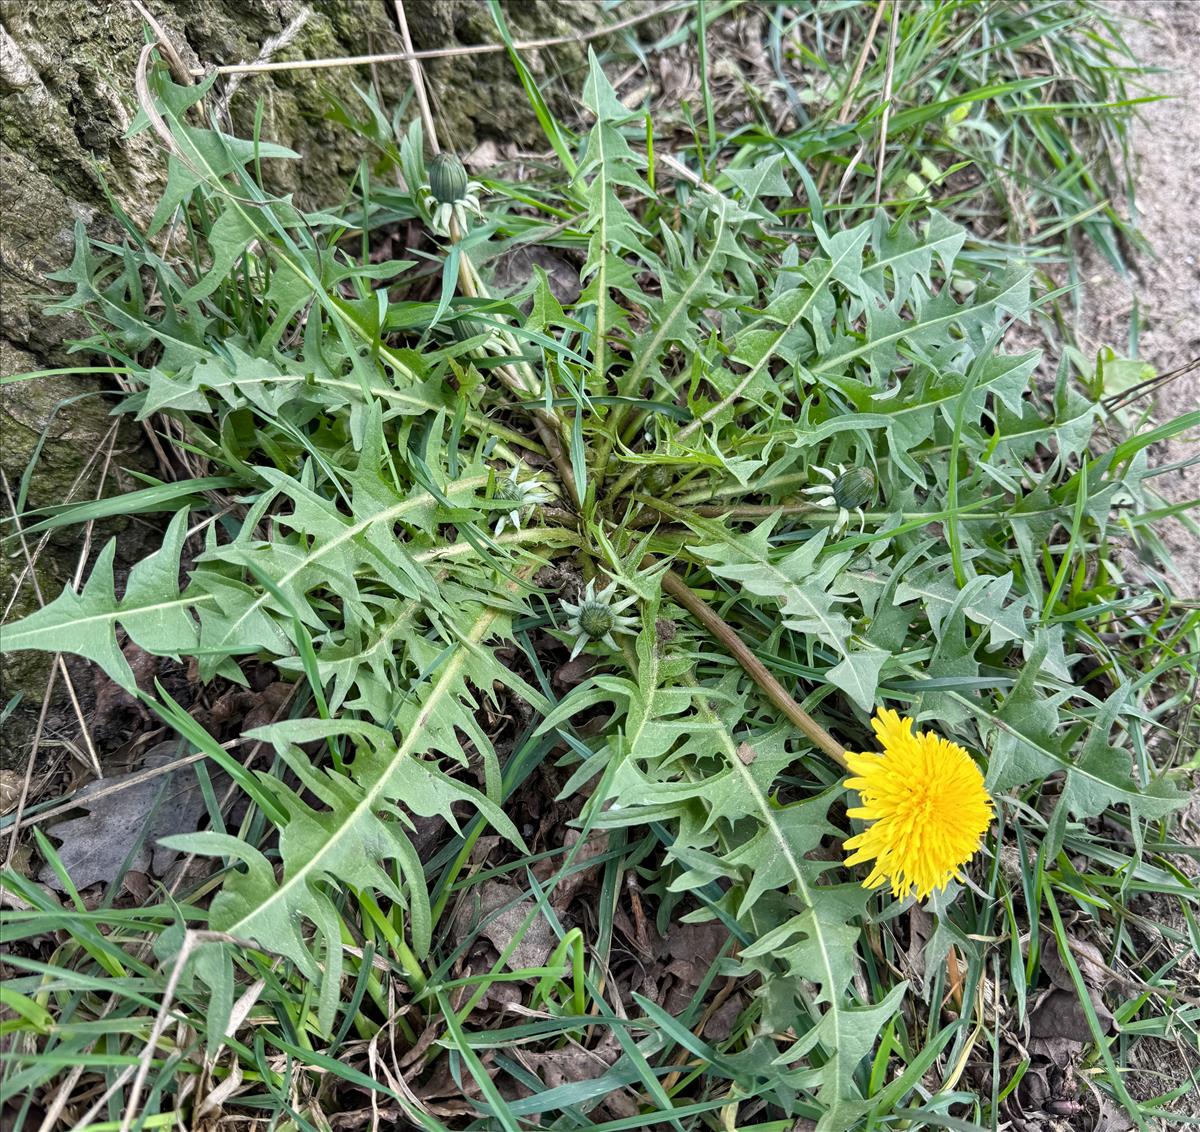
(68, 82)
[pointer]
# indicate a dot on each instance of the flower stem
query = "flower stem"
(755, 669)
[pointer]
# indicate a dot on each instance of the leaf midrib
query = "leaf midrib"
(833, 1011)
(817, 288)
(386, 516)
(446, 678)
(630, 381)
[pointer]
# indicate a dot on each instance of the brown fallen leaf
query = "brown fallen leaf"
(513, 269)
(574, 1063)
(572, 672)
(571, 1063)
(442, 1095)
(10, 790)
(501, 927)
(1059, 1016)
(1094, 968)
(116, 712)
(921, 926)
(354, 1119)
(137, 884)
(691, 949)
(568, 888)
(99, 844)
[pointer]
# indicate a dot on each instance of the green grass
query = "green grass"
(467, 888)
(1011, 117)
(1033, 101)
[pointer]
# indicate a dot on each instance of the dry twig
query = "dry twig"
(436, 53)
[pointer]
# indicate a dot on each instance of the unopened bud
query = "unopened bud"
(854, 487)
(447, 178)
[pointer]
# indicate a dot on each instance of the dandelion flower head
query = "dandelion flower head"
(926, 802)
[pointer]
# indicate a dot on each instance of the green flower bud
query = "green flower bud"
(595, 619)
(447, 178)
(509, 491)
(658, 479)
(854, 487)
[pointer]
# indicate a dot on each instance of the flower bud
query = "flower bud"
(595, 619)
(509, 491)
(658, 479)
(854, 487)
(447, 178)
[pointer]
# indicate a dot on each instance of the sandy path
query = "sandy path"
(1166, 288)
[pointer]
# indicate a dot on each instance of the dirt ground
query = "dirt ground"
(1166, 287)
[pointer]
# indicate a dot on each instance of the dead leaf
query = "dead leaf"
(1059, 1016)
(572, 672)
(692, 950)
(572, 1063)
(500, 997)
(10, 790)
(210, 1105)
(1113, 1117)
(485, 155)
(567, 889)
(354, 1119)
(698, 942)
(442, 1095)
(575, 1063)
(514, 269)
(720, 1024)
(479, 913)
(416, 1055)
(644, 936)
(484, 847)
(1088, 958)
(96, 845)
(116, 712)
(247, 709)
(921, 926)
(137, 884)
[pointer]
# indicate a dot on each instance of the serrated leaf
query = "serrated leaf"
(798, 582)
(983, 601)
(599, 96)
(857, 674)
(151, 610)
(1027, 745)
(348, 839)
(819, 942)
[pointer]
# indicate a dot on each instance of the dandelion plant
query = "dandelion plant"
(598, 549)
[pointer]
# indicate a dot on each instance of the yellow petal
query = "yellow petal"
(926, 801)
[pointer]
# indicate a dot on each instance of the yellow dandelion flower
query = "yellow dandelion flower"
(925, 799)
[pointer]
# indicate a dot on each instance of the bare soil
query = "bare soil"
(1162, 295)
(1163, 291)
